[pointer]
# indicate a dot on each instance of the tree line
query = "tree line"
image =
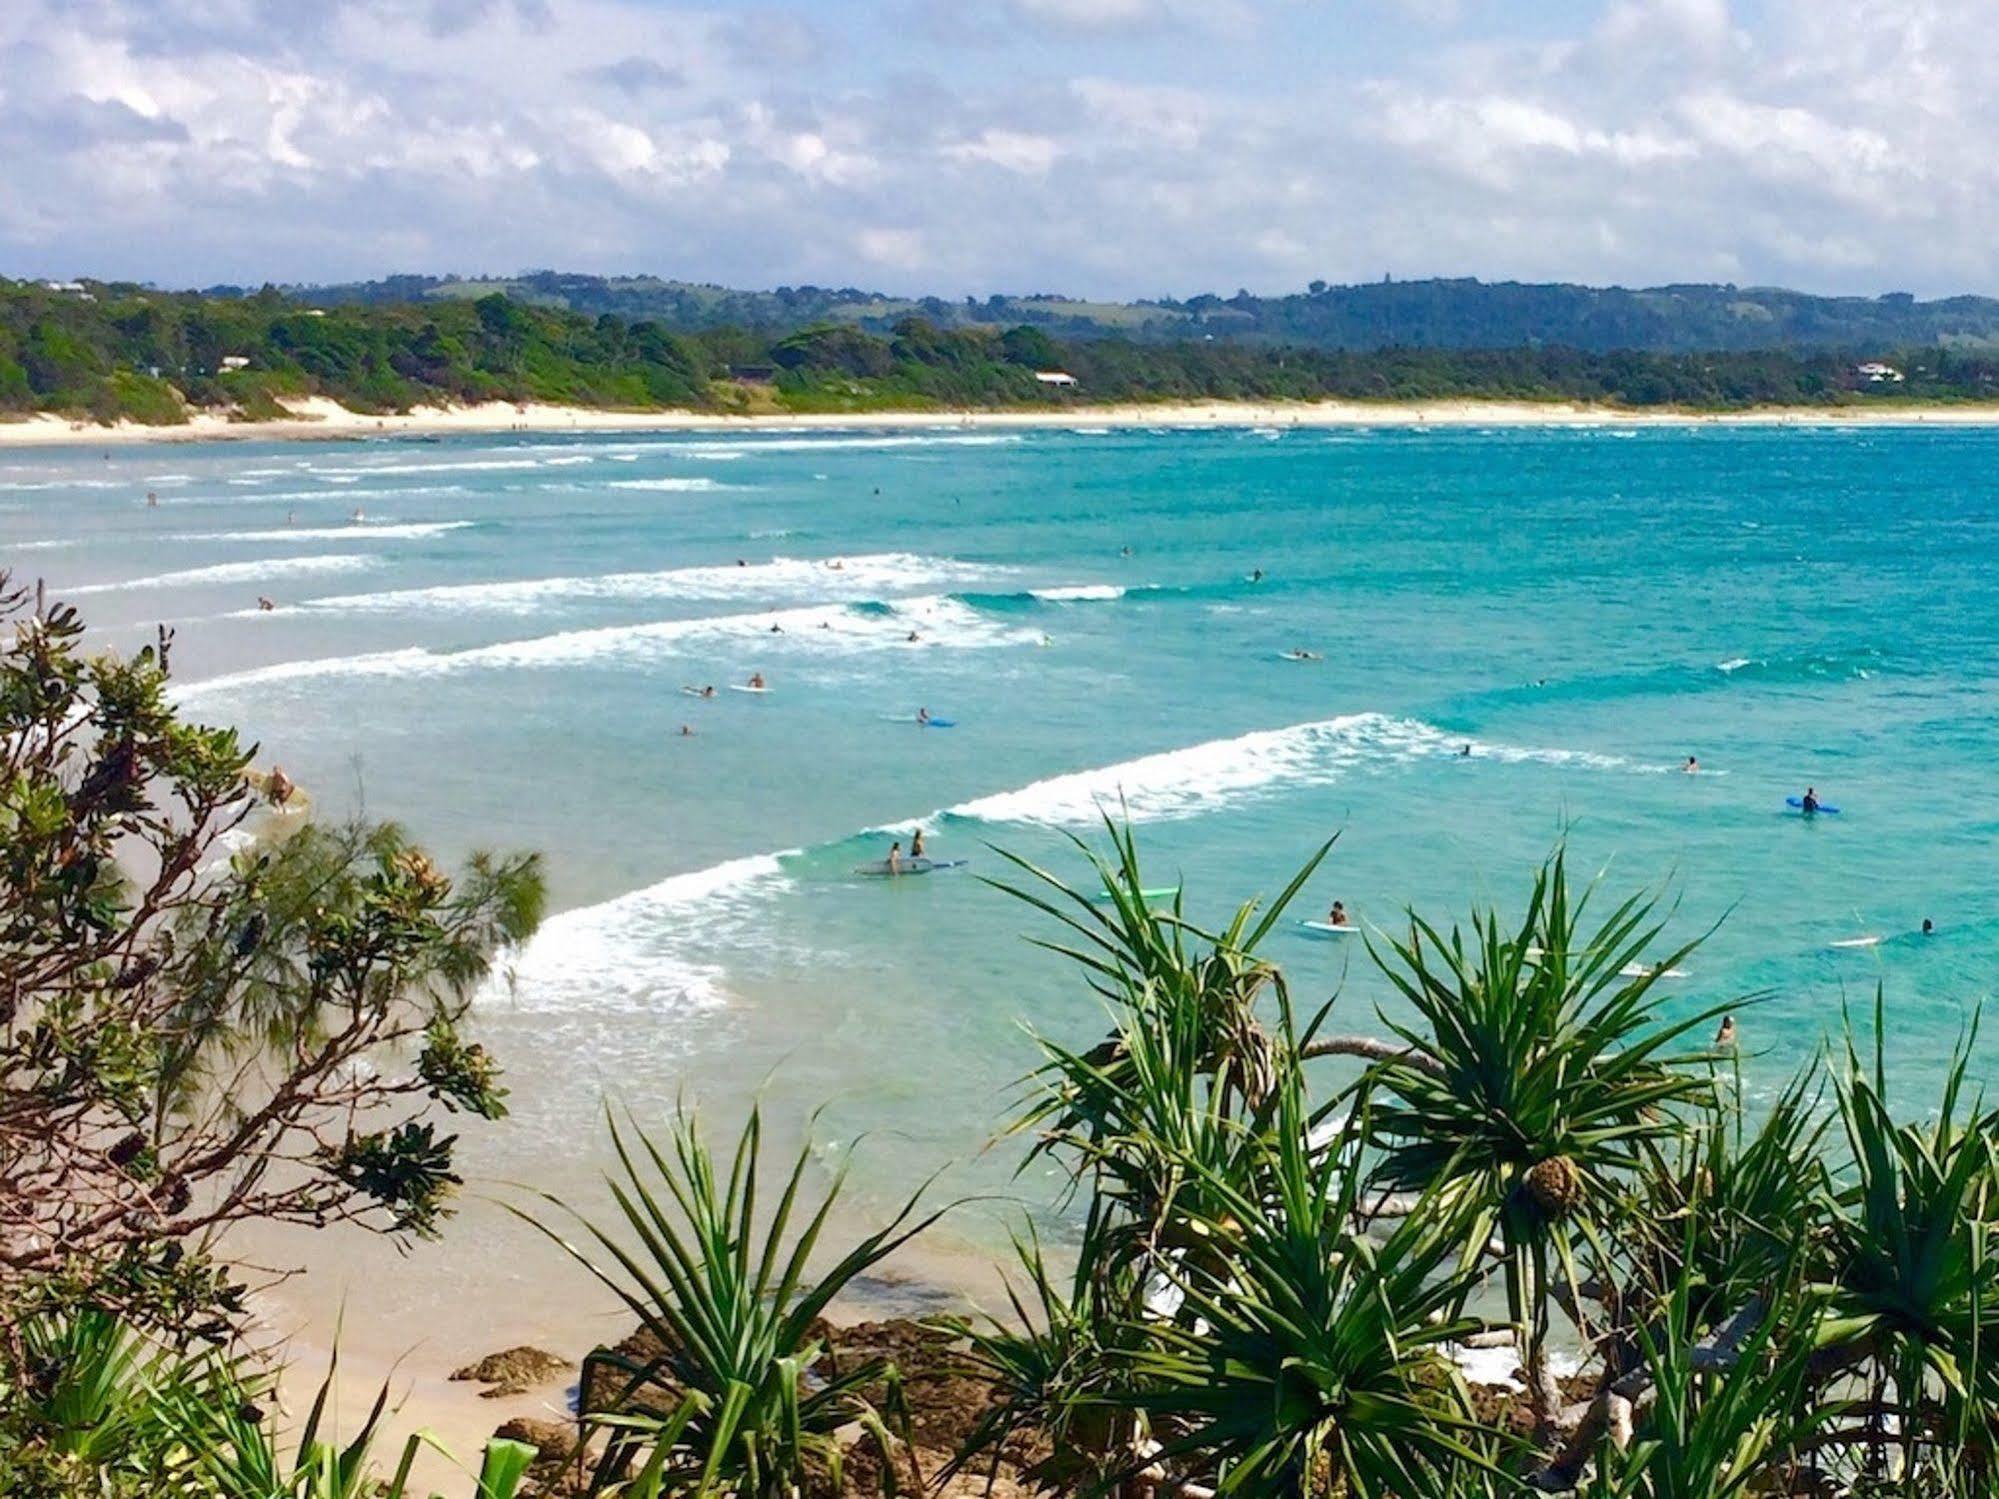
(107, 352)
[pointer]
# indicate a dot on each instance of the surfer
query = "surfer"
(278, 786)
(265, 605)
(836, 565)
(923, 715)
(291, 517)
(152, 500)
(914, 637)
(1809, 802)
(776, 629)
(1256, 576)
(1692, 767)
(756, 681)
(1929, 927)
(1465, 753)
(687, 731)
(358, 516)
(1338, 915)
(916, 844)
(894, 859)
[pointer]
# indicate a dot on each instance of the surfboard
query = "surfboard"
(1163, 893)
(909, 866)
(921, 723)
(1641, 970)
(1797, 804)
(1327, 929)
(740, 687)
(1856, 942)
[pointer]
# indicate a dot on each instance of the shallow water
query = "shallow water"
(496, 656)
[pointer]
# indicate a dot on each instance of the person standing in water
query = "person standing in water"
(1692, 767)
(894, 859)
(1809, 802)
(923, 715)
(916, 844)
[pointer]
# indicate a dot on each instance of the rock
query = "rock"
(514, 1371)
(552, 1439)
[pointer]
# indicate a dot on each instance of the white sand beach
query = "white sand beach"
(326, 419)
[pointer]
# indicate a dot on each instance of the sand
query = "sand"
(318, 418)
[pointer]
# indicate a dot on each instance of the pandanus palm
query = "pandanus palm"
(1913, 1288)
(1185, 1085)
(1312, 1360)
(1538, 1076)
(732, 1301)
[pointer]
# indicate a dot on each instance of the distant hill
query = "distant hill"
(1454, 314)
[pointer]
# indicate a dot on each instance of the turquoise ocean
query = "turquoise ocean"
(495, 655)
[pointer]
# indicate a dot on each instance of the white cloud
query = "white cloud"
(1126, 147)
(1017, 151)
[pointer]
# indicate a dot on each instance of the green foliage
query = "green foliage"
(133, 352)
(190, 1001)
(730, 1301)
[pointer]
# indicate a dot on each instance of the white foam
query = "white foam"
(736, 449)
(467, 465)
(1734, 664)
(1207, 777)
(675, 485)
(1080, 593)
(825, 629)
(235, 572)
(781, 578)
(1222, 773)
(356, 531)
(633, 952)
(32, 484)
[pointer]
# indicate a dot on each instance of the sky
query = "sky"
(1108, 148)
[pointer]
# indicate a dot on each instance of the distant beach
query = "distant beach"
(321, 419)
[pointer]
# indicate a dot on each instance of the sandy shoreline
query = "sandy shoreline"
(326, 420)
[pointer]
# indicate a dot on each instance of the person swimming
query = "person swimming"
(1338, 915)
(709, 690)
(1726, 1035)
(1692, 767)
(1929, 927)
(916, 844)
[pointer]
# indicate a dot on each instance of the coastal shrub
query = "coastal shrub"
(201, 991)
(725, 1398)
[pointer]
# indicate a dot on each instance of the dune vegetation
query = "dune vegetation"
(1277, 1243)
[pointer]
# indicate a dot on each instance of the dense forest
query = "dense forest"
(105, 352)
(1436, 314)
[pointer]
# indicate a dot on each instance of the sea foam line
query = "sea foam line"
(868, 576)
(235, 572)
(826, 629)
(355, 531)
(634, 950)
(631, 951)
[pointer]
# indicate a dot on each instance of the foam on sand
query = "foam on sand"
(822, 629)
(782, 578)
(236, 572)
